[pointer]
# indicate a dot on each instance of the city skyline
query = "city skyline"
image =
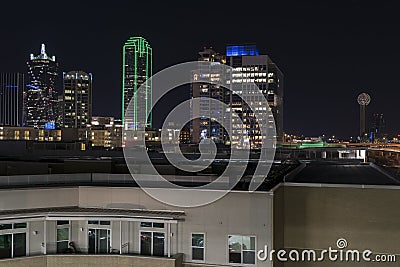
(369, 117)
(199, 134)
(325, 65)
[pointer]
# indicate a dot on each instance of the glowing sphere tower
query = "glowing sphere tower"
(363, 100)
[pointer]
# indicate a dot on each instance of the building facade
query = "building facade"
(77, 99)
(248, 68)
(41, 96)
(136, 71)
(104, 219)
(206, 115)
(29, 134)
(106, 132)
(11, 99)
(377, 133)
(108, 221)
(251, 67)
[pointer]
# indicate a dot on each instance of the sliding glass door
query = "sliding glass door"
(152, 243)
(12, 245)
(99, 241)
(19, 245)
(5, 246)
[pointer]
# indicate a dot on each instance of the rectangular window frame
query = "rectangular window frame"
(152, 241)
(59, 227)
(155, 225)
(241, 253)
(99, 223)
(97, 229)
(17, 230)
(204, 246)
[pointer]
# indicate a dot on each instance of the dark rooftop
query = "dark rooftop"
(343, 172)
(112, 171)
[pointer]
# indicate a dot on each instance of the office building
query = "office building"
(11, 99)
(251, 67)
(77, 99)
(41, 97)
(136, 70)
(248, 67)
(206, 115)
(60, 110)
(105, 132)
(378, 133)
(17, 133)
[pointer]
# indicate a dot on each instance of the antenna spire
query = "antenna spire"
(43, 50)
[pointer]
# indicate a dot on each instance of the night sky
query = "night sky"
(329, 51)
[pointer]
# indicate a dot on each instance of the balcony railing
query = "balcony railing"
(67, 260)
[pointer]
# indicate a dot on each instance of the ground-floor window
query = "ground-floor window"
(198, 245)
(152, 243)
(19, 244)
(13, 240)
(242, 249)
(12, 245)
(63, 236)
(5, 246)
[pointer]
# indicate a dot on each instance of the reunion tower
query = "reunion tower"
(363, 100)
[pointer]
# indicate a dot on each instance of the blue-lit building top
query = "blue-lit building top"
(241, 50)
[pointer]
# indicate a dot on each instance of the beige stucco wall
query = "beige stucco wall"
(38, 198)
(316, 217)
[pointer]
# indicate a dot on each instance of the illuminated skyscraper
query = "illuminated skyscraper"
(136, 69)
(77, 99)
(11, 97)
(378, 133)
(41, 98)
(249, 66)
(207, 115)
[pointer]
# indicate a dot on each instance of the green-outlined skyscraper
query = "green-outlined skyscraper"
(136, 71)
